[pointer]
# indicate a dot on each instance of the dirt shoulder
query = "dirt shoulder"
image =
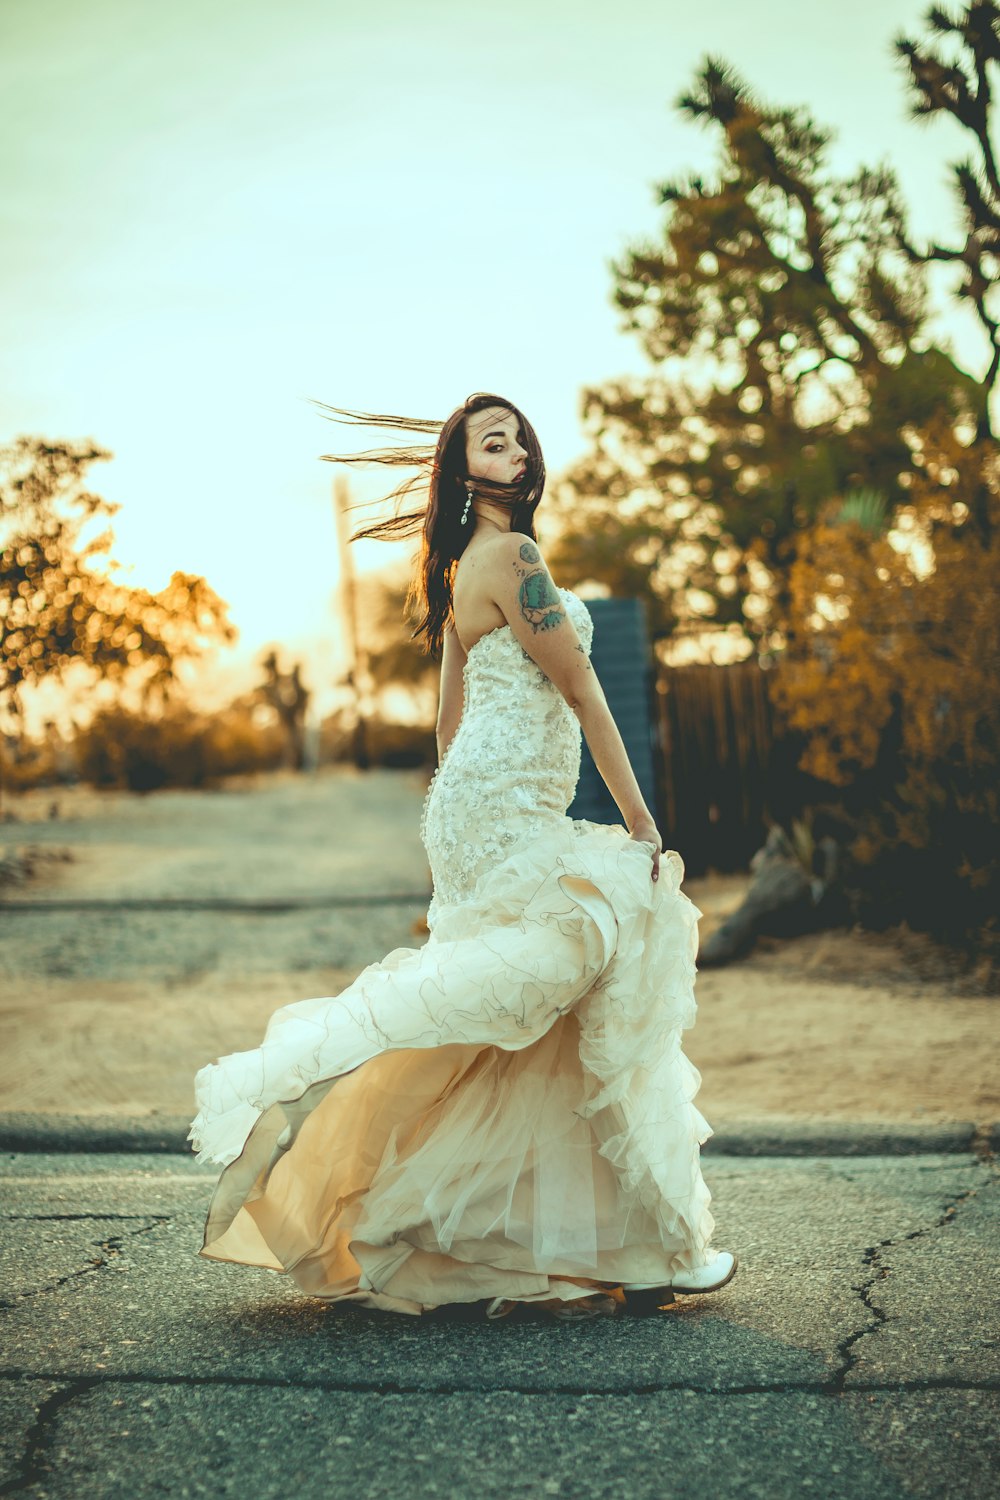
(114, 1011)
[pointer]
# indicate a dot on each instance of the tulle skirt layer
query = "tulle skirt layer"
(503, 1112)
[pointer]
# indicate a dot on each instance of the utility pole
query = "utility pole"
(358, 672)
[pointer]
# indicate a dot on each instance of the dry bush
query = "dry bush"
(391, 745)
(180, 747)
(892, 675)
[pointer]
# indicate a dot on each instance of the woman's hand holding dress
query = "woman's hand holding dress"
(644, 831)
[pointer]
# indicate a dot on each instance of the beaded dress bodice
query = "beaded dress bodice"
(512, 766)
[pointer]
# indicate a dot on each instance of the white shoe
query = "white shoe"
(707, 1278)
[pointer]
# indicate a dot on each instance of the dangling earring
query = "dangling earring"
(468, 502)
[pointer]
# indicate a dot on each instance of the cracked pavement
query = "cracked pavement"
(855, 1353)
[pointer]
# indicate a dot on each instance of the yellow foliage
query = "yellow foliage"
(892, 676)
(930, 643)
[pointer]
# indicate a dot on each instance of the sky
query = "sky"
(214, 211)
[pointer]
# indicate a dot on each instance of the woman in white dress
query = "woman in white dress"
(504, 1114)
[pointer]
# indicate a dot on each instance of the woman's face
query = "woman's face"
(492, 447)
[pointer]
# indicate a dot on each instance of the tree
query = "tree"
(393, 659)
(962, 88)
(288, 695)
(792, 315)
(892, 678)
(891, 671)
(58, 606)
(812, 469)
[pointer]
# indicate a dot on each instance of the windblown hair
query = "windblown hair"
(443, 468)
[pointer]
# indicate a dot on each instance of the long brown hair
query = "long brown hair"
(444, 469)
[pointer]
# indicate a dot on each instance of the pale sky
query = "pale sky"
(213, 210)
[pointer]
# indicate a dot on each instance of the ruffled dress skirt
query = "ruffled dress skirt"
(505, 1111)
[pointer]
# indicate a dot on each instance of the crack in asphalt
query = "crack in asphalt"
(817, 1387)
(846, 1347)
(111, 1248)
(39, 1435)
(872, 1258)
(39, 1439)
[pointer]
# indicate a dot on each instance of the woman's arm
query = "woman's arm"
(532, 605)
(452, 690)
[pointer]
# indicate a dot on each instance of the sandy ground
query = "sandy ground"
(113, 1008)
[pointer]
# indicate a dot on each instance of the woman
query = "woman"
(504, 1114)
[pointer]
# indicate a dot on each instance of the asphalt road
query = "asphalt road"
(855, 1354)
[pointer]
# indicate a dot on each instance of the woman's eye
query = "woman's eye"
(495, 447)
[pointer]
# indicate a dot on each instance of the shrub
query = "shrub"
(180, 747)
(892, 675)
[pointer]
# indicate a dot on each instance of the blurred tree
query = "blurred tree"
(58, 605)
(891, 671)
(178, 746)
(393, 659)
(962, 89)
(288, 695)
(792, 319)
(892, 677)
(811, 468)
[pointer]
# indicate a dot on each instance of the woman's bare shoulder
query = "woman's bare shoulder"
(491, 556)
(483, 578)
(515, 548)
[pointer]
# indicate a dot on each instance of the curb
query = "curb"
(167, 1135)
(850, 1138)
(111, 1134)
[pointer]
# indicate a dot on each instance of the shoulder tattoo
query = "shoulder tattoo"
(539, 600)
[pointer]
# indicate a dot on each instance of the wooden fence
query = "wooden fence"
(700, 739)
(714, 730)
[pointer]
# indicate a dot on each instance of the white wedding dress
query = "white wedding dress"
(505, 1111)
